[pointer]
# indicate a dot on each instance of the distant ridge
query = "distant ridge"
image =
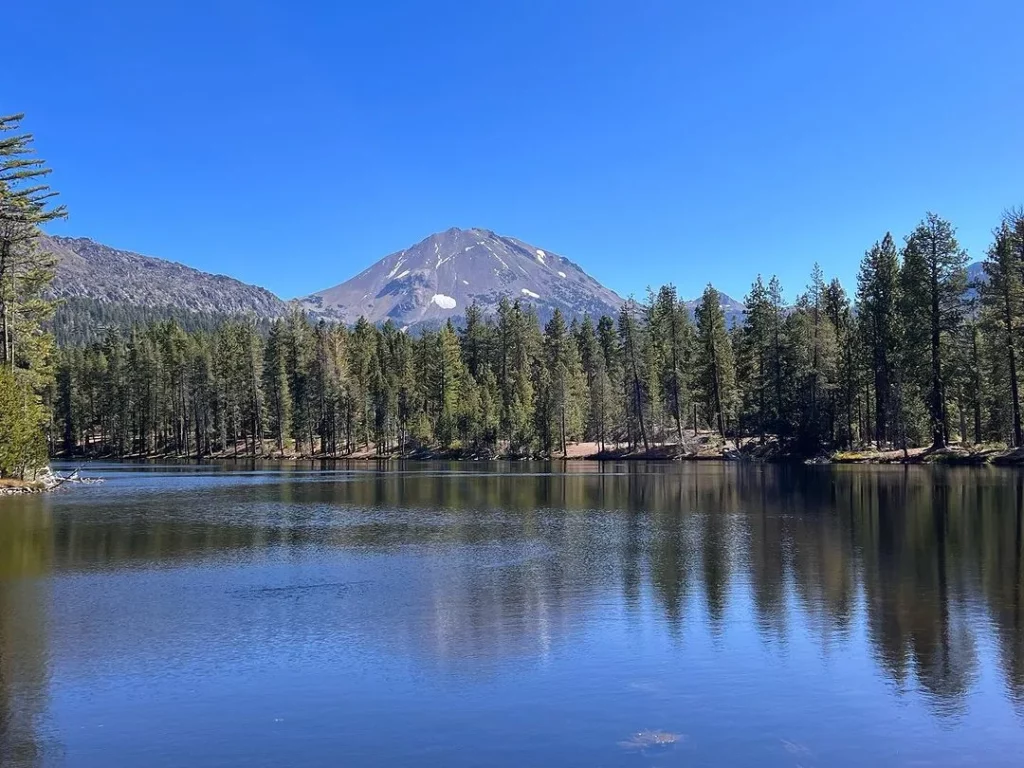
(90, 270)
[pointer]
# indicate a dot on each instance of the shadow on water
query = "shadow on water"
(918, 558)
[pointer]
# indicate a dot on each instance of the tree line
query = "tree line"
(917, 357)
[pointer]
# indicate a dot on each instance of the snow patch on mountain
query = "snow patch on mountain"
(398, 265)
(444, 302)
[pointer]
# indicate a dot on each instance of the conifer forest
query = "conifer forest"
(914, 355)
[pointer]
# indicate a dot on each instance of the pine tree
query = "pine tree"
(779, 374)
(564, 393)
(276, 384)
(755, 362)
(490, 409)
(813, 349)
(613, 406)
(636, 390)
(445, 374)
(516, 344)
(878, 306)
(475, 340)
(361, 352)
(843, 396)
(715, 373)
(672, 336)
(201, 392)
(1002, 295)
(598, 388)
(25, 272)
(934, 279)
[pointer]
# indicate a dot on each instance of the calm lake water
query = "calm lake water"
(515, 615)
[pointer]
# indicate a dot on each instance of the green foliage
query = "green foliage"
(22, 445)
(716, 369)
(933, 280)
(997, 353)
(25, 273)
(878, 303)
(671, 340)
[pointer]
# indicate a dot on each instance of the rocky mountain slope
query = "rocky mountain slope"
(436, 279)
(89, 270)
(439, 277)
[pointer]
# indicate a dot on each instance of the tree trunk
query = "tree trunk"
(937, 403)
(1011, 348)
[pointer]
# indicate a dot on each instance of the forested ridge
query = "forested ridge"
(912, 358)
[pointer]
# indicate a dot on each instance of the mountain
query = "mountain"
(88, 270)
(432, 281)
(439, 277)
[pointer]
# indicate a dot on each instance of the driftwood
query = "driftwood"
(56, 480)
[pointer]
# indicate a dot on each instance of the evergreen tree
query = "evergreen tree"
(637, 392)
(1002, 295)
(515, 355)
(754, 363)
(613, 405)
(25, 271)
(445, 377)
(475, 340)
(564, 392)
(362, 349)
(276, 384)
(878, 306)
(715, 372)
(672, 337)
(598, 386)
(934, 280)
(844, 394)
(813, 350)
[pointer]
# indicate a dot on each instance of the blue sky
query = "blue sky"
(291, 144)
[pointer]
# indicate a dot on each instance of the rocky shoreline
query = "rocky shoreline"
(44, 482)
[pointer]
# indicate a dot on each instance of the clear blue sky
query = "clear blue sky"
(291, 144)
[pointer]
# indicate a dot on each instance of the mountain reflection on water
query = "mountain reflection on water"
(467, 572)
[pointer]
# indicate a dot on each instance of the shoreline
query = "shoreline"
(11, 487)
(951, 456)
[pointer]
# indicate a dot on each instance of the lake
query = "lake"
(705, 614)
